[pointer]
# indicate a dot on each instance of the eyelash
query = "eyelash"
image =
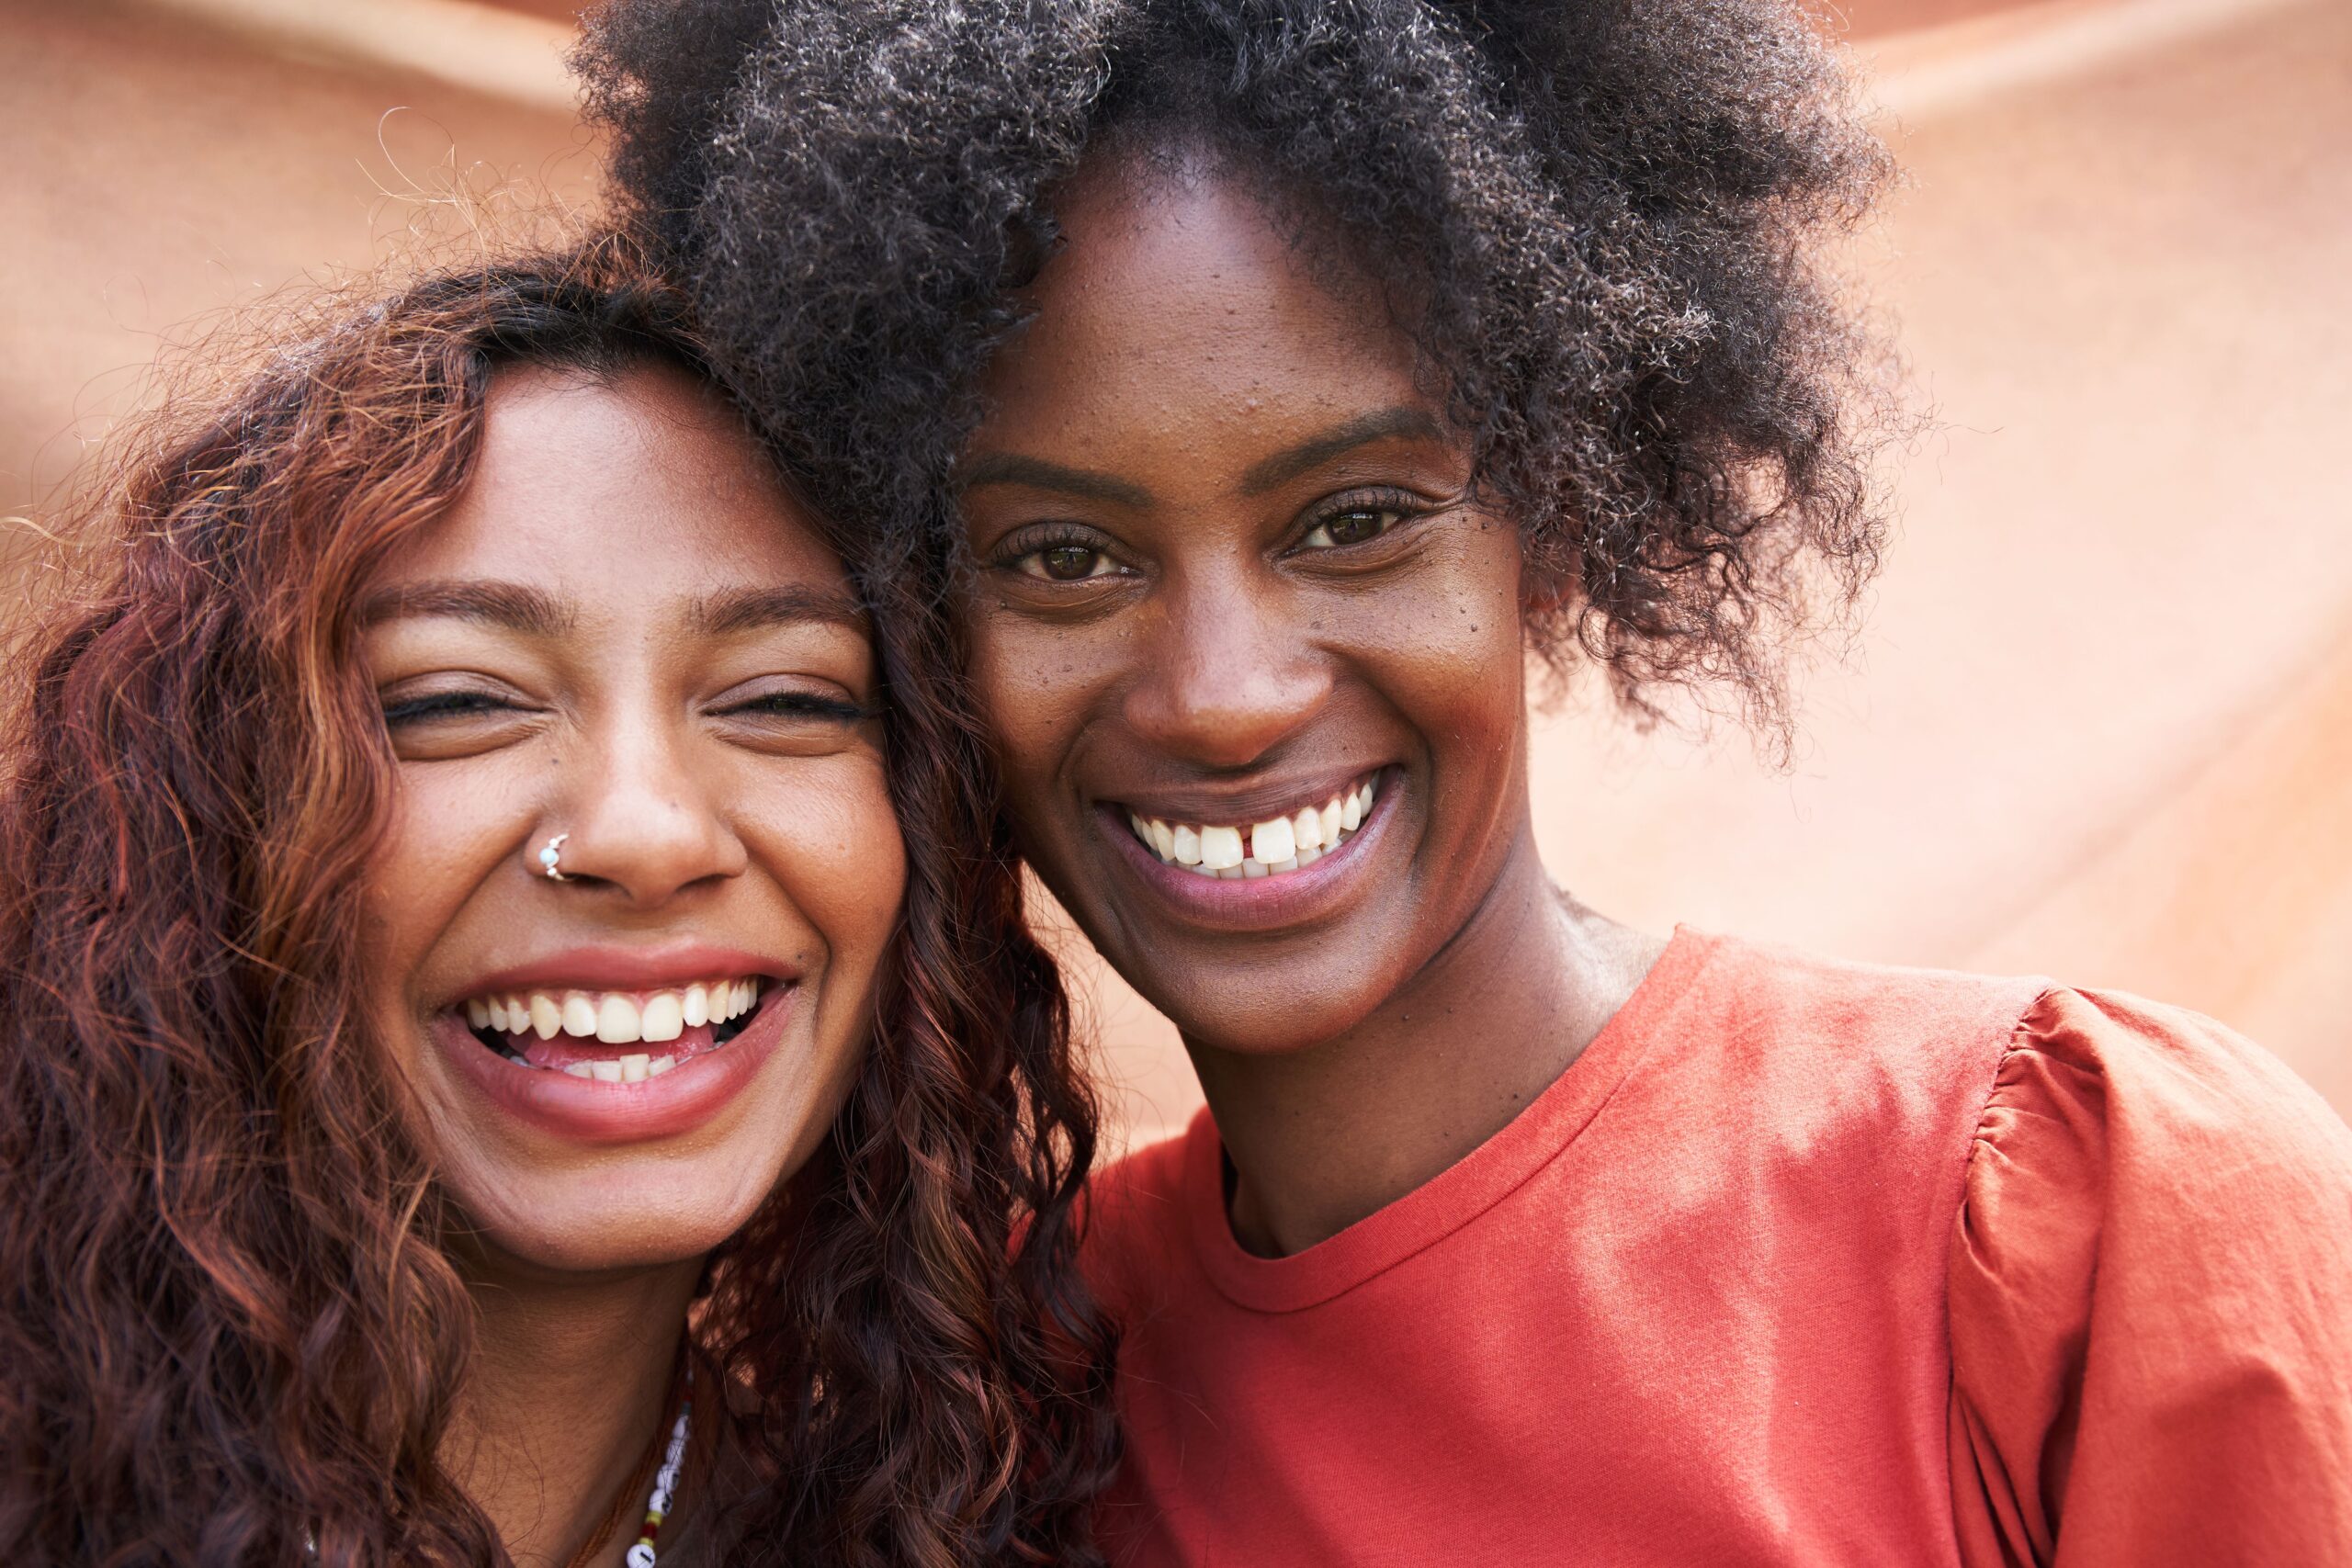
(467, 704)
(801, 704)
(442, 704)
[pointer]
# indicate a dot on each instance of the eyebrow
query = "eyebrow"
(1381, 424)
(748, 609)
(531, 610)
(1008, 469)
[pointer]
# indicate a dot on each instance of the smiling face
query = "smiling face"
(624, 633)
(1252, 657)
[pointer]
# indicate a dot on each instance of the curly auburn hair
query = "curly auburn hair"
(228, 1318)
(1605, 215)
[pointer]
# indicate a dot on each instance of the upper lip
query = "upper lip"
(1248, 801)
(606, 968)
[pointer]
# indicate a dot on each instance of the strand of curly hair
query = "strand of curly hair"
(231, 1329)
(1603, 223)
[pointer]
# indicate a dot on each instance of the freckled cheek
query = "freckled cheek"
(1034, 688)
(1453, 664)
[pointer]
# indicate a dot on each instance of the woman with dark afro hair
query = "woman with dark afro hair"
(1251, 385)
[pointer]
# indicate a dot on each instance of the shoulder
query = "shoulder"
(1813, 1044)
(1762, 989)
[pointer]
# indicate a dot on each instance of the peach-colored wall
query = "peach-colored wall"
(159, 170)
(2099, 721)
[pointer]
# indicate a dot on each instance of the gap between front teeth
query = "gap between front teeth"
(1264, 849)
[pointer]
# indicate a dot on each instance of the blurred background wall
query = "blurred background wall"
(2099, 723)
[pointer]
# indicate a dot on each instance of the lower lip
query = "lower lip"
(588, 1110)
(1262, 903)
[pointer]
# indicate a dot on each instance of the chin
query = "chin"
(606, 1239)
(1276, 1027)
(621, 1215)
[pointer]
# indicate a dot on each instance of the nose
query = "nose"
(640, 818)
(1226, 673)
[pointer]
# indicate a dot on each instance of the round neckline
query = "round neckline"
(1458, 1194)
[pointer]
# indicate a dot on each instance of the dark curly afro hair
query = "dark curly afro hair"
(1608, 215)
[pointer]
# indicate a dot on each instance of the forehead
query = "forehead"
(638, 487)
(1177, 296)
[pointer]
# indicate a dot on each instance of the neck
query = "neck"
(568, 1383)
(1324, 1136)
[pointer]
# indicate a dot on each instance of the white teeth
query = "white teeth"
(615, 1018)
(579, 1016)
(1263, 849)
(605, 1072)
(664, 1017)
(581, 1070)
(633, 1067)
(1307, 828)
(617, 1022)
(658, 1065)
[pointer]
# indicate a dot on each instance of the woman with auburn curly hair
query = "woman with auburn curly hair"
(487, 1079)
(1281, 373)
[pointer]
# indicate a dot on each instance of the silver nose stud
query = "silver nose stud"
(552, 858)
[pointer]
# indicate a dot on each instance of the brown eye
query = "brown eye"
(1069, 563)
(1348, 529)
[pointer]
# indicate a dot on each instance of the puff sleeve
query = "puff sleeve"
(2151, 1301)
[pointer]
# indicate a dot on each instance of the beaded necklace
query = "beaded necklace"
(665, 1480)
(665, 1485)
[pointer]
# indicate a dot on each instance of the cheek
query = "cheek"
(1453, 658)
(1032, 684)
(833, 842)
(439, 844)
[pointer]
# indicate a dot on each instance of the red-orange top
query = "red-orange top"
(1801, 1262)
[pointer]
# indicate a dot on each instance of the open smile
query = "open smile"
(1277, 847)
(586, 1034)
(1226, 886)
(612, 1046)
